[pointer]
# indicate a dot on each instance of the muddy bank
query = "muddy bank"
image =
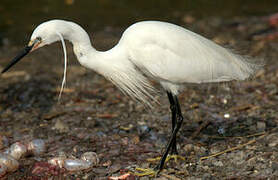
(93, 115)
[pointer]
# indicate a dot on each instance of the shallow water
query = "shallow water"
(18, 18)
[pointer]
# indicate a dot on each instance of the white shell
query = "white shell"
(17, 150)
(90, 157)
(11, 163)
(76, 164)
(57, 161)
(36, 147)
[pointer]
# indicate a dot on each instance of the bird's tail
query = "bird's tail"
(245, 66)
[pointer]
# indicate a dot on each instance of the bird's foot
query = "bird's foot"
(175, 157)
(145, 172)
(154, 159)
(169, 157)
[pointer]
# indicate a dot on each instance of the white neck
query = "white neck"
(87, 55)
(79, 38)
(114, 64)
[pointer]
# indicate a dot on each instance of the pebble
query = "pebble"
(274, 143)
(16, 150)
(11, 163)
(206, 168)
(86, 161)
(8, 159)
(36, 147)
(143, 129)
(57, 161)
(274, 166)
(76, 164)
(226, 115)
(261, 126)
(90, 157)
(61, 126)
(3, 169)
(272, 140)
(218, 163)
(221, 130)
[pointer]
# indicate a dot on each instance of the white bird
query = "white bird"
(167, 53)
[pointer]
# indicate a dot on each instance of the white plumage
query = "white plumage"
(168, 53)
(165, 52)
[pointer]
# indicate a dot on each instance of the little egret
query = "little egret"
(167, 53)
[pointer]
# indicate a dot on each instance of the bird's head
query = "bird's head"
(44, 34)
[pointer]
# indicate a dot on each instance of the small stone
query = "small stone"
(143, 130)
(188, 147)
(226, 115)
(274, 165)
(11, 163)
(37, 147)
(76, 164)
(17, 150)
(221, 130)
(90, 157)
(57, 161)
(218, 163)
(224, 101)
(61, 126)
(3, 169)
(273, 143)
(261, 126)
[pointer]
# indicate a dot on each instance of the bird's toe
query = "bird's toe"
(146, 172)
(176, 157)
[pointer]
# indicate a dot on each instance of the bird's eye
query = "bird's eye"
(39, 39)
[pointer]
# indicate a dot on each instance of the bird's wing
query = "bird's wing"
(175, 54)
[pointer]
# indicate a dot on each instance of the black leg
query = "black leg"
(173, 135)
(174, 121)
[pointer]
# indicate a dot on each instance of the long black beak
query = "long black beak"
(20, 55)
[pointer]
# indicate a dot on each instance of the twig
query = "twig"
(229, 150)
(252, 135)
(241, 145)
(202, 126)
